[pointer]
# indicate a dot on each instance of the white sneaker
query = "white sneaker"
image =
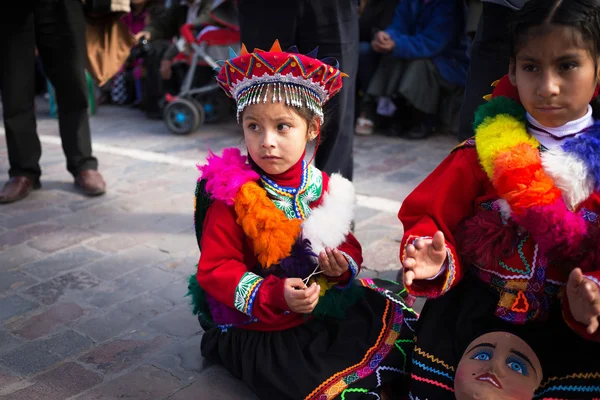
(364, 126)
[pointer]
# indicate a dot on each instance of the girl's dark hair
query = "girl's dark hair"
(581, 15)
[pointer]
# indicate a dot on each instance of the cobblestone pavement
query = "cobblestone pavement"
(92, 290)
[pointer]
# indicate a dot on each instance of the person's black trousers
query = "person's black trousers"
(332, 25)
(490, 56)
(57, 29)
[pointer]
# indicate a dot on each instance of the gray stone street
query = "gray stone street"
(92, 290)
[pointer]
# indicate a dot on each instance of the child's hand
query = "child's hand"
(425, 259)
(299, 298)
(584, 300)
(333, 263)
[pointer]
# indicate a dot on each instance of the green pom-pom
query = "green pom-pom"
(203, 202)
(198, 301)
(335, 302)
(496, 106)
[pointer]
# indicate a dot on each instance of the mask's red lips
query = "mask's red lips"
(491, 379)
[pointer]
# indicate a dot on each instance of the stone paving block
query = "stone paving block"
(17, 236)
(370, 233)
(125, 317)
(67, 237)
(8, 342)
(14, 305)
(403, 176)
(182, 267)
(145, 383)
(29, 359)
(50, 291)
(177, 322)
(108, 326)
(120, 264)
(118, 241)
(382, 255)
(215, 383)
(6, 380)
(118, 355)
(68, 343)
(175, 292)
(65, 381)
(182, 244)
(90, 217)
(363, 213)
(14, 280)
(126, 287)
(48, 321)
(62, 262)
(182, 359)
(33, 217)
(16, 256)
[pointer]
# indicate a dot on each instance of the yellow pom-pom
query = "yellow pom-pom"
(498, 134)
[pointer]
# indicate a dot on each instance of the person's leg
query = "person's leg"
(489, 62)
(60, 34)
(154, 86)
(17, 86)
(333, 26)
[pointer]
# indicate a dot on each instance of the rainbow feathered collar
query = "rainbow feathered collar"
(542, 188)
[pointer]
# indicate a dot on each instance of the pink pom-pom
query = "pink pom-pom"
(225, 175)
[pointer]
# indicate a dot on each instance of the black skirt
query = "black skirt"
(356, 357)
(571, 365)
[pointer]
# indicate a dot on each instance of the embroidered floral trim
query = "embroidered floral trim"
(245, 292)
(294, 202)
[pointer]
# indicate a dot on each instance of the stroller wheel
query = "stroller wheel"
(183, 116)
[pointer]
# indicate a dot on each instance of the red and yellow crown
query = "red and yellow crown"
(296, 79)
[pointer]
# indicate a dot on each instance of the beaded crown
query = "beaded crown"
(295, 79)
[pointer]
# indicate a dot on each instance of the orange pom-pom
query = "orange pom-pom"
(271, 232)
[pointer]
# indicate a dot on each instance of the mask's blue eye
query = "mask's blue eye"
(517, 365)
(482, 355)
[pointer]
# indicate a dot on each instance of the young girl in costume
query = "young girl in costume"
(504, 235)
(276, 288)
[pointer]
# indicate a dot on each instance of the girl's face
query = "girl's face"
(555, 76)
(276, 136)
(498, 366)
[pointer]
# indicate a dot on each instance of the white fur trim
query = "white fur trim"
(329, 224)
(570, 174)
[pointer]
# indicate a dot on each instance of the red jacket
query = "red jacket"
(227, 255)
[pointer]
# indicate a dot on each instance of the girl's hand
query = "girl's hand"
(299, 298)
(333, 263)
(425, 259)
(584, 300)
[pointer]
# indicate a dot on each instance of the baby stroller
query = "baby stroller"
(201, 47)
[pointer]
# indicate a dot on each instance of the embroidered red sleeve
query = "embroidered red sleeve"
(578, 327)
(441, 202)
(224, 273)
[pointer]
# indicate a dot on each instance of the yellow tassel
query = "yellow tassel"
(495, 83)
(487, 97)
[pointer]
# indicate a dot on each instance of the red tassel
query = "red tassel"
(484, 238)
